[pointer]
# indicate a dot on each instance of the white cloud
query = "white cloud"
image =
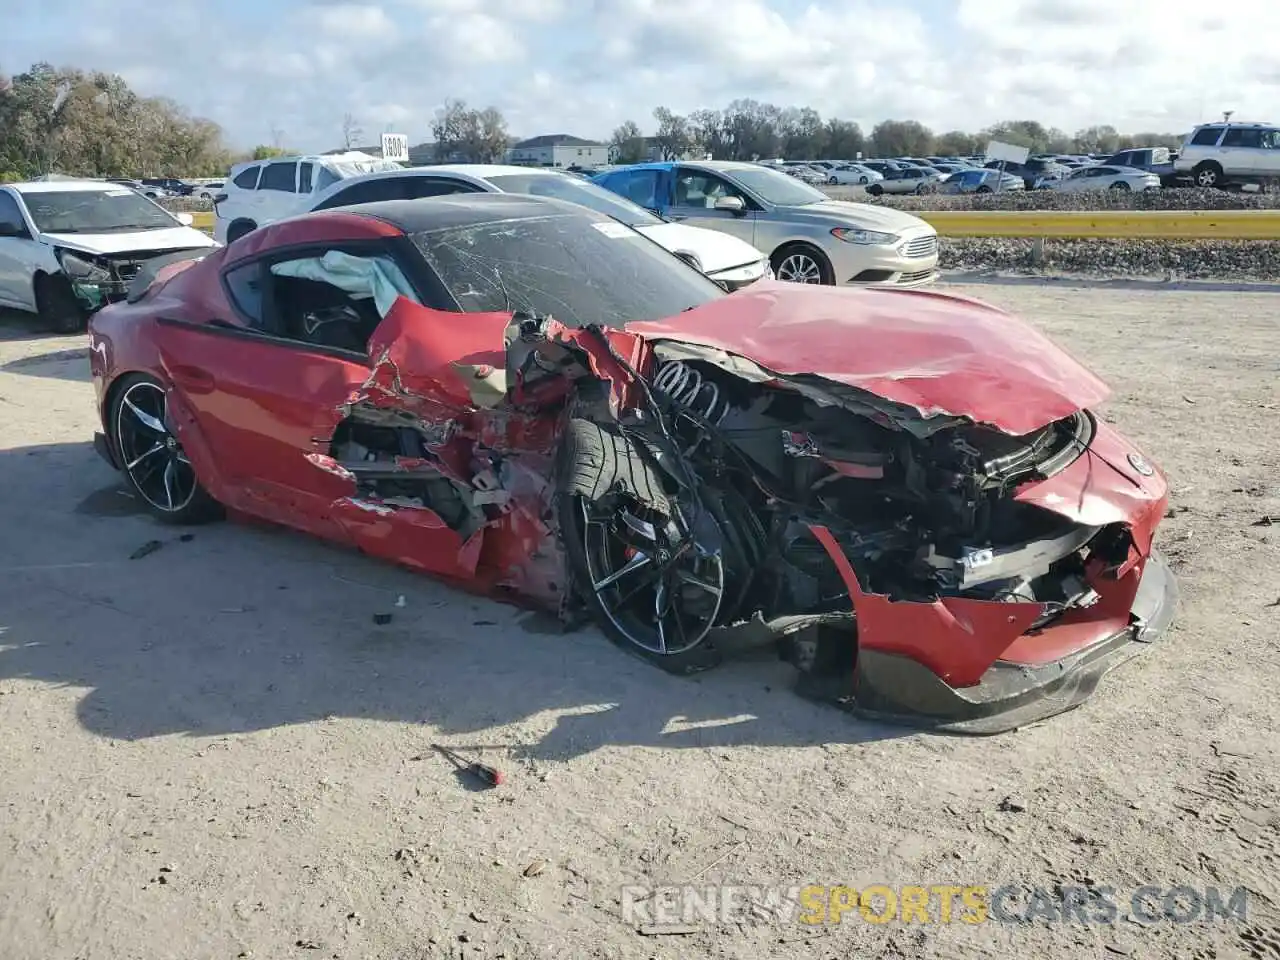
(583, 66)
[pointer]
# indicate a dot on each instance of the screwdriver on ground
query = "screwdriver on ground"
(481, 771)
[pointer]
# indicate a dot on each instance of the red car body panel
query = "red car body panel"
(935, 352)
(257, 418)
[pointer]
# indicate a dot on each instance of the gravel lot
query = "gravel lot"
(212, 752)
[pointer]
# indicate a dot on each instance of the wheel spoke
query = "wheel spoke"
(146, 419)
(659, 611)
(142, 456)
(638, 562)
(168, 482)
(688, 578)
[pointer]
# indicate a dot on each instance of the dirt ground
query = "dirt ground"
(212, 751)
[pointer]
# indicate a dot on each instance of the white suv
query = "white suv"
(263, 191)
(1218, 153)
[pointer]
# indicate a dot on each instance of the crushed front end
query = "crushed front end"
(98, 279)
(921, 569)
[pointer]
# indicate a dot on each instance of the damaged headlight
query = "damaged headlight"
(855, 235)
(80, 270)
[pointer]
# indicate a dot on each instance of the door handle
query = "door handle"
(193, 379)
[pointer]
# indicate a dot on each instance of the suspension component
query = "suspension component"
(686, 388)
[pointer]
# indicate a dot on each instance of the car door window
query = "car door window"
(1242, 137)
(697, 188)
(367, 191)
(244, 287)
(640, 187)
(415, 188)
(280, 176)
(306, 177)
(332, 298)
(248, 179)
(11, 219)
(1206, 137)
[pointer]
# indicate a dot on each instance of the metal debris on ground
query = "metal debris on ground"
(150, 547)
(382, 619)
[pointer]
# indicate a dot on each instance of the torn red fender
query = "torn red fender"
(416, 353)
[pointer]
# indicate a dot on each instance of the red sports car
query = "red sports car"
(905, 491)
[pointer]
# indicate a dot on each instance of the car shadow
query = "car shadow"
(232, 628)
(63, 364)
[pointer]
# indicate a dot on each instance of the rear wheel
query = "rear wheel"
(57, 306)
(875, 189)
(983, 188)
(150, 456)
(1207, 174)
(1120, 185)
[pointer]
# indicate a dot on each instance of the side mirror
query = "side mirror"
(732, 204)
(185, 219)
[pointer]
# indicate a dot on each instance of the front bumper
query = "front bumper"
(896, 689)
(910, 262)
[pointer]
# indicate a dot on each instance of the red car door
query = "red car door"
(262, 404)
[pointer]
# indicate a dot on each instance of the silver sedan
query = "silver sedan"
(809, 237)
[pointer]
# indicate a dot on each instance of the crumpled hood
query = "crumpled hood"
(937, 353)
(171, 238)
(715, 250)
(865, 215)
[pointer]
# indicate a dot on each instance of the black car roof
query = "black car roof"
(465, 210)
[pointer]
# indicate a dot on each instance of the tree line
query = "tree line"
(750, 130)
(88, 123)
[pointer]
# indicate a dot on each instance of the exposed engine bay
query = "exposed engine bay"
(917, 517)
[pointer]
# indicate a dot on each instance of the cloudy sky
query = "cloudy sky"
(583, 66)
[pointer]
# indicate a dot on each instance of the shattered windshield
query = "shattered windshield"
(95, 211)
(576, 191)
(578, 269)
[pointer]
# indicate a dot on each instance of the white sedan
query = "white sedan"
(69, 246)
(1106, 178)
(852, 173)
(728, 260)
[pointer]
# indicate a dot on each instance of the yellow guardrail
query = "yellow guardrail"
(1116, 224)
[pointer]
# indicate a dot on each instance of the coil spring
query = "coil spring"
(686, 388)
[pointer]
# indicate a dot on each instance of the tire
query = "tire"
(863, 181)
(1120, 185)
(875, 190)
(802, 259)
(130, 439)
(983, 188)
(599, 466)
(240, 228)
(57, 306)
(1207, 174)
(832, 181)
